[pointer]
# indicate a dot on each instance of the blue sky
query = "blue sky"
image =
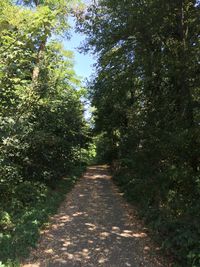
(83, 63)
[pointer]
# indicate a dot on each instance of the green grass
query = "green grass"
(24, 222)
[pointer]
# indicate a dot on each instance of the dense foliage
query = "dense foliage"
(41, 115)
(146, 94)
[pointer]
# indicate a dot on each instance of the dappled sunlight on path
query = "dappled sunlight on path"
(94, 228)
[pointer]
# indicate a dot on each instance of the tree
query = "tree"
(145, 94)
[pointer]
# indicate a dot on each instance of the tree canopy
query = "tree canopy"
(146, 94)
(42, 124)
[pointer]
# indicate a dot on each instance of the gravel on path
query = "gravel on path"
(95, 227)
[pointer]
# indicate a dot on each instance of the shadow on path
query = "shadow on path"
(92, 228)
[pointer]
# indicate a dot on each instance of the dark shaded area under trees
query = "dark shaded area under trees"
(146, 94)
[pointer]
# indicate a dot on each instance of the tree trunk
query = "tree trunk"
(184, 93)
(40, 56)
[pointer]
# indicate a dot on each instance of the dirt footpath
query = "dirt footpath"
(95, 228)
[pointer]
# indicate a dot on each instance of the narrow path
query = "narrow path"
(95, 227)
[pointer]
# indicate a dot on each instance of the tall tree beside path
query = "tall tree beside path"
(41, 118)
(146, 94)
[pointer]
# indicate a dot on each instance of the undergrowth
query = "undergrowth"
(172, 216)
(29, 210)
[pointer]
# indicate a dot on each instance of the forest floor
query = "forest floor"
(95, 227)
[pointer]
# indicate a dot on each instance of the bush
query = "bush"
(20, 227)
(168, 203)
(30, 192)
